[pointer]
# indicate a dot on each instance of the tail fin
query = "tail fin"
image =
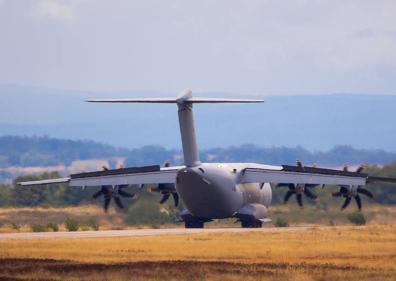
(184, 102)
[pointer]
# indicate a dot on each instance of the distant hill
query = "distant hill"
(313, 122)
(46, 151)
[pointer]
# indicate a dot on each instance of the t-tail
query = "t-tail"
(185, 102)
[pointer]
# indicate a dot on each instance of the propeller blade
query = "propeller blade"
(344, 190)
(175, 198)
(106, 203)
(97, 194)
(299, 199)
(126, 194)
(346, 203)
(299, 164)
(360, 169)
(106, 189)
(365, 192)
(118, 202)
(287, 196)
(337, 194)
(309, 193)
(358, 202)
(164, 198)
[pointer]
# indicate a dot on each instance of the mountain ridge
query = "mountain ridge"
(313, 122)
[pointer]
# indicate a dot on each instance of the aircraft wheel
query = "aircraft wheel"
(193, 224)
(251, 224)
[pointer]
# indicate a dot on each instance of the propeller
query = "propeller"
(167, 189)
(166, 196)
(299, 190)
(109, 192)
(112, 192)
(349, 192)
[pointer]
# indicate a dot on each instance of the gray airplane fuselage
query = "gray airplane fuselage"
(212, 191)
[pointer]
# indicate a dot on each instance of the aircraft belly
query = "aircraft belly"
(208, 196)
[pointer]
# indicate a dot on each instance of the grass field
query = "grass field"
(332, 253)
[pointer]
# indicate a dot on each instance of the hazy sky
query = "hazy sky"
(268, 47)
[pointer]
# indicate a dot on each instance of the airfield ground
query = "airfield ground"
(25, 217)
(310, 253)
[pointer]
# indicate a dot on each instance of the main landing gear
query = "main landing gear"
(251, 224)
(194, 224)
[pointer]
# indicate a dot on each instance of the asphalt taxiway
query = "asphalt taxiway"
(139, 232)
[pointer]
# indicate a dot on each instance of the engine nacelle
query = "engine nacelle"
(253, 193)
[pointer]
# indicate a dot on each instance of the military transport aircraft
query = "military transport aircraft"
(218, 190)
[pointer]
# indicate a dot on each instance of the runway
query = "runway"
(140, 232)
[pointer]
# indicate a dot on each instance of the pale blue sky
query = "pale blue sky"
(266, 47)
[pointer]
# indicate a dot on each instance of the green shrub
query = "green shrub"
(281, 222)
(39, 228)
(71, 224)
(93, 224)
(53, 226)
(357, 218)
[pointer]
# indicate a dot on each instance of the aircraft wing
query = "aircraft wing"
(135, 175)
(44, 182)
(308, 175)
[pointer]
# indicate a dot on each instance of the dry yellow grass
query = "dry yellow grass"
(338, 253)
(27, 216)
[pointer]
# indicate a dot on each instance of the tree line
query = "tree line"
(63, 195)
(46, 151)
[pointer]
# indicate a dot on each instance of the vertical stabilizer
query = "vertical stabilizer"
(187, 129)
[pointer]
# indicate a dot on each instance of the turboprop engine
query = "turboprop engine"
(349, 192)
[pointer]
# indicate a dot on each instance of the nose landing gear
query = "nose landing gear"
(191, 221)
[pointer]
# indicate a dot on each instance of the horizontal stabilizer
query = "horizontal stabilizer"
(175, 100)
